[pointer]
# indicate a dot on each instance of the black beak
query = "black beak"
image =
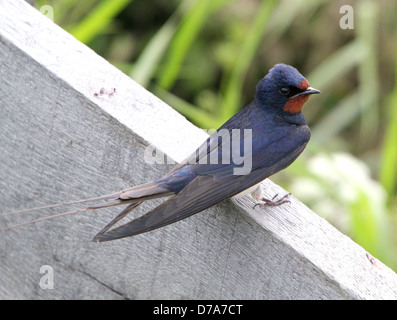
(308, 91)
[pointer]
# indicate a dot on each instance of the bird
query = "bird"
(263, 138)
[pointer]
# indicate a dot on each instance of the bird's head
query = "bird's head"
(283, 89)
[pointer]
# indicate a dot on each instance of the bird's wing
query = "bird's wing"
(203, 192)
(275, 153)
(212, 143)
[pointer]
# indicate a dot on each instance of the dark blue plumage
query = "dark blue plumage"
(279, 134)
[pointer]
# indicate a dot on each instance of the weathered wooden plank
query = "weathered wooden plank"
(60, 141)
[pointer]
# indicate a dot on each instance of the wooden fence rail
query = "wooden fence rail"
(63, 138)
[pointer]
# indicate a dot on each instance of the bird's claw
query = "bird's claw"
(272, 202)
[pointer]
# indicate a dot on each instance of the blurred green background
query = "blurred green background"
(204, 58)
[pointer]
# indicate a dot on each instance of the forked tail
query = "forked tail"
(133, 196)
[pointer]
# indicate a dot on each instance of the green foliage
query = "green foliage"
(204, 57)
(388, 168)
(185, 35)
(231, 100)
(98, 19)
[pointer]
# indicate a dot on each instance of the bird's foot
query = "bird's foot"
(273, 202)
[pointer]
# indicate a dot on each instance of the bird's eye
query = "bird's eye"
(285, 90)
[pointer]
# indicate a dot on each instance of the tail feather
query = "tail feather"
(133, 196)
(120, 216)
(105, 197)
(144, 191)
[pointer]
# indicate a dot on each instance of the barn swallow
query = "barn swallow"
(260, 140)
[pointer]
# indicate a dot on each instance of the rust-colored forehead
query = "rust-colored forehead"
(304, 84)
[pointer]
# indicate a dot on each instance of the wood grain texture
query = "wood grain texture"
(60, 142)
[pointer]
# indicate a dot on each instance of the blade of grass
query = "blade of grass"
(388, 167)
(186, 34)
(201, 117)
(336, 120)
(367, 69)
(284, 14)
(370, 225)
(232, 97)
(74, 11)
(98, 20)
(146, 65)
(342, 61)
(333, 68)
